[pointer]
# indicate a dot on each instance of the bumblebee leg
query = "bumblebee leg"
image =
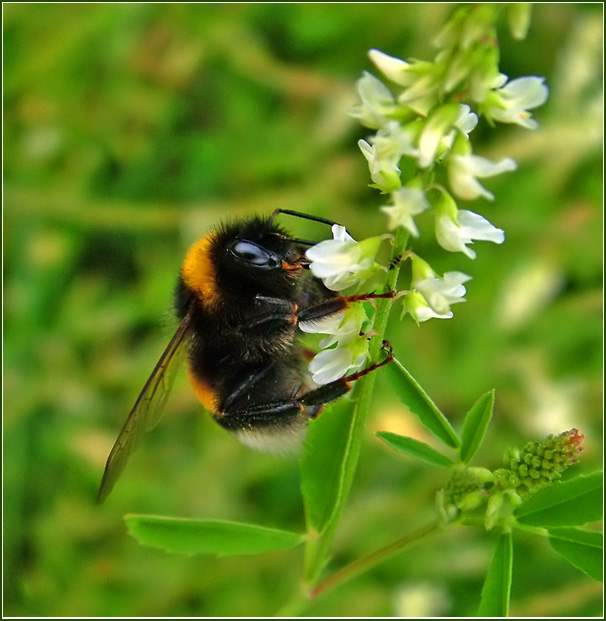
(278, 313)
(269, 323)
(258, 417)
(239, 412)
(245, 387)
(281, 412)
(334, 305)
(274, 314)
(333, 390)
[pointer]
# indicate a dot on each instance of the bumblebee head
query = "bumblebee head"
(243, 259)
(236, 262)
(260, 254)
(262, 246)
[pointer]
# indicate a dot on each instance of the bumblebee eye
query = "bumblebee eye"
(255, 255)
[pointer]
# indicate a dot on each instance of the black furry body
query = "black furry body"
(244, 345)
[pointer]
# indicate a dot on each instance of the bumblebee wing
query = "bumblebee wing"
(147, 411)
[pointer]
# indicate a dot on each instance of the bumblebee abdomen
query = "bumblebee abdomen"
(205, 391)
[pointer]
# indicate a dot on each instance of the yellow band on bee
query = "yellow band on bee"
(206, 395)
(198, 272)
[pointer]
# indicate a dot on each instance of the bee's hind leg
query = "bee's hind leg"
(337, 388)
(283, 412)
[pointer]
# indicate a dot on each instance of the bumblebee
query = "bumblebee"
(243, 289)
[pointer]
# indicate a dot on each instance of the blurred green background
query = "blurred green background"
(130, 129)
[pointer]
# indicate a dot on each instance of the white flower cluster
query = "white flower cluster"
(434, 132)
(425, 123)
(342, 263)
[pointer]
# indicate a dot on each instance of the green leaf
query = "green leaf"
(415, 448)
(570, 503)
(475, 426)
(324, 461)
(581, 548)
(419, 403)
(497, 586)
(185, 536)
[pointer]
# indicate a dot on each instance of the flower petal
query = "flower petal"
(408, 202)
(527, 92)
(342, 262)
(463, 171)
(455, 235)
(440, 293)
(330, 365)
(377, 102)
(391, 67)
(323, 325)
(477, 227)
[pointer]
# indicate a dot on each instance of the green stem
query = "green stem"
(372, 559)
(295, 607)
(318, 546)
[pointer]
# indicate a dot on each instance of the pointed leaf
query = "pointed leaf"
(415, 448)
(185, 536)
(418, 402)
(497, 586)
(581, 548)
(570, 503)
(324, 463)
(475, 426)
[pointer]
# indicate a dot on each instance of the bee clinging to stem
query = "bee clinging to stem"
(242, 292)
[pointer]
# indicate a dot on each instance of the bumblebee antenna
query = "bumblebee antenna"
(304, 216)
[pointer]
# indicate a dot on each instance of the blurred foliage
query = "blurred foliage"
(129, 129)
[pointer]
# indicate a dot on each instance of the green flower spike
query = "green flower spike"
(542, 462)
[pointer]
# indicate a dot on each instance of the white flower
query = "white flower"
(342, 328)
(384, 153)
(425, 313)
(416, 305)
(384, 170)
(331, 364)
(463, 171)
(342, 262)
(407, 203)
(485, 79)
(510, 104)
(437, 293)
(351, 351)
(421, 79)
(391, 67)
(440, 293)
(466, 120)
(441, 129)
(377, 102)
(437, 126)
(454, 234)
(423, 93)
(323, 325)
(334, 257)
